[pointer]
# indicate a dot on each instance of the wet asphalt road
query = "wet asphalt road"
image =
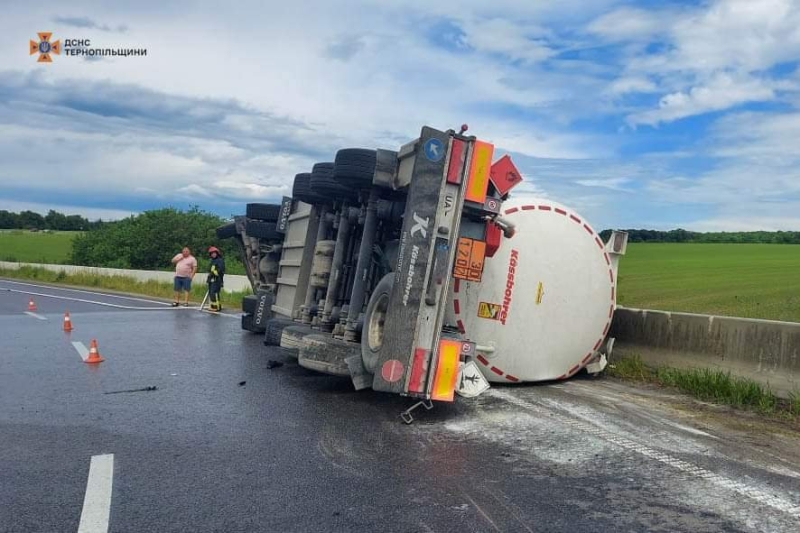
(292, 450)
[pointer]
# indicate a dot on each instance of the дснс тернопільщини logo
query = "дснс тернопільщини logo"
(44, 47)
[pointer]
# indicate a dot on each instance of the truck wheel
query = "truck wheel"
(323, 184)
(262, 230)
(355, 168)
(248, 323)
(265, 212)
(249, 304)
(227, 231)
(301, 190)
(325, 354)
(275, 328)
(374, 321)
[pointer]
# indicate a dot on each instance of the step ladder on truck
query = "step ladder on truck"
(414, 272)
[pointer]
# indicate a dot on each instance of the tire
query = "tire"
(327, 355)
(265, 212)
(301, 190)
(275, 327)
(322, 184)
(374, 319)
(355, 168)
(292, 337)
(227, 231)
(248, 324)
(249, 304)
(262, 230)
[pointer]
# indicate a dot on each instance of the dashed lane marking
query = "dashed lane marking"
(34, 315)
(97, 501)
(81, 349)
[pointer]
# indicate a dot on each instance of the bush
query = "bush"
(150, 240)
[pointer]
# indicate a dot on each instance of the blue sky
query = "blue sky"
(636, 114)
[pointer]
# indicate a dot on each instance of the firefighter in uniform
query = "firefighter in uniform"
(215, 274)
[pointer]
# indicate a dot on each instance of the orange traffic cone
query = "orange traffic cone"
(67, 322)
(31, 305)
(94, 355)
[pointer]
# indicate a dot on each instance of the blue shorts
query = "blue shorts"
(183, 284)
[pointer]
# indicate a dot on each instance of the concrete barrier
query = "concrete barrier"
(233, 283)
(765, 351)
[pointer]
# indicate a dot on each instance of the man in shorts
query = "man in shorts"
(185, 269)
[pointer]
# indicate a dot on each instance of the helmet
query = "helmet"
(213, 249)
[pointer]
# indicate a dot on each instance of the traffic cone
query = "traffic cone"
(94, 355)
(31, 305)
(67, 322)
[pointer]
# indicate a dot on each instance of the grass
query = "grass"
(745, 280)
(120, 283)
(709, 385)
(36, 247)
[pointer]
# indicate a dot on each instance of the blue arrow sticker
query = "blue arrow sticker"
(434, 150)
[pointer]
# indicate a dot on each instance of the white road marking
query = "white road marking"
(585, 426)
(85, 292)
(106, 304)
(34, 315)
(116, 306)
(97, 501)
(81, 348)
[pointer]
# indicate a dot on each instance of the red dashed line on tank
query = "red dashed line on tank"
(457, 287)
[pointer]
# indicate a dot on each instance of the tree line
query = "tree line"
(53, 220)
(149, 241)
(682, 235)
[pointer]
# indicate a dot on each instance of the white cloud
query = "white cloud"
(628, 24)
(721, 92)
(615, 184)
(632, 84)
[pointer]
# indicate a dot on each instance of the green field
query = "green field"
(36, 247)
(745, 280)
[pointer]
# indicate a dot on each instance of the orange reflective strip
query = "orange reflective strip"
(444, 383)
(479, 170)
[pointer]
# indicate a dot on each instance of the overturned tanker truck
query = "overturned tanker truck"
(416, 272)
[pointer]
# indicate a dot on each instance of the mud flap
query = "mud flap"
(262, 313)
(361, 379)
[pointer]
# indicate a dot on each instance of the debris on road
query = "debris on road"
(242, 383)
(274, 364)
(143, 389)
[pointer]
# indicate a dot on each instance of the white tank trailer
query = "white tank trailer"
(418, 272)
